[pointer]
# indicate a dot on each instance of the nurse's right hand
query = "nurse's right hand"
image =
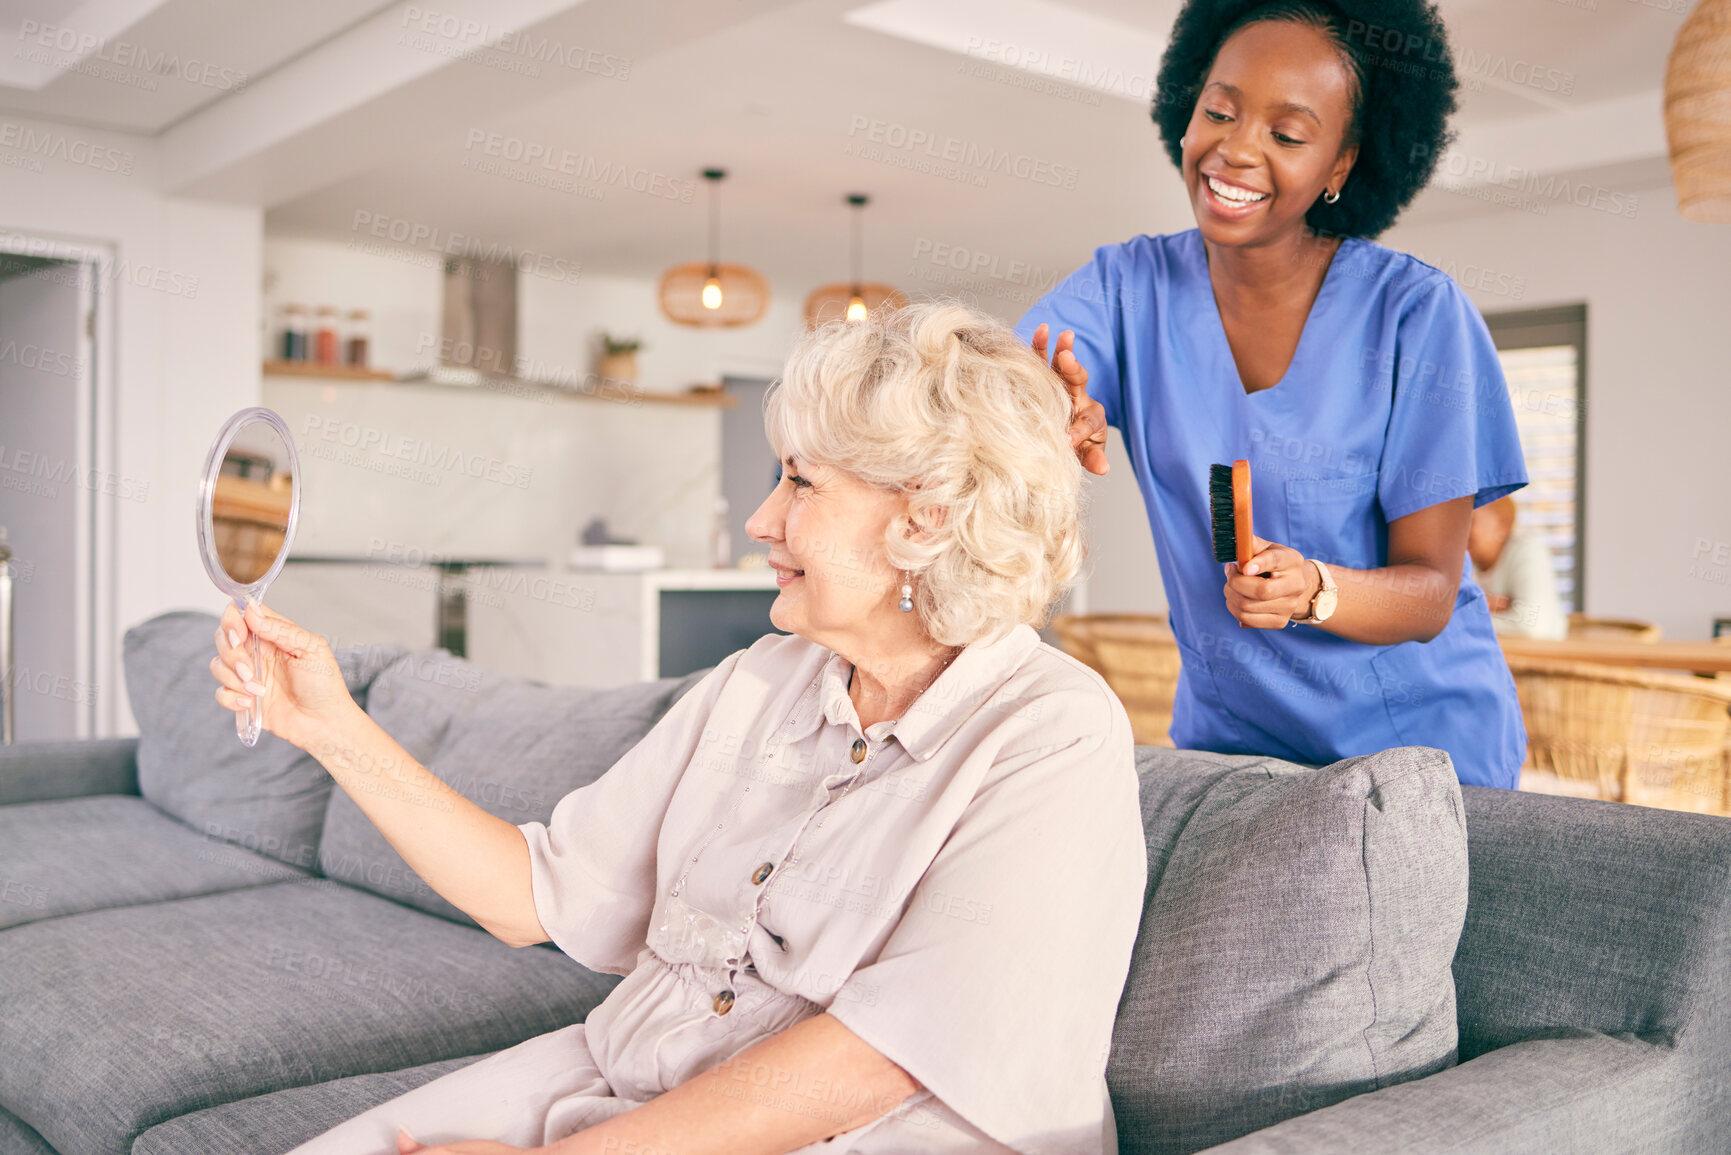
(1087, 416)
(305, 698)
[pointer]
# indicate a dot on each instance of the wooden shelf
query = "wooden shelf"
(315, 369)
(613, 392)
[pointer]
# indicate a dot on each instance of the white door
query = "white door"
(47, 482)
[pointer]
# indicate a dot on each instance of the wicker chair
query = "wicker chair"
(1138, 657)
(1611, 629)
(1627, 735)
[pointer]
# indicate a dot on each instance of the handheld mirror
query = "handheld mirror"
(248, 502)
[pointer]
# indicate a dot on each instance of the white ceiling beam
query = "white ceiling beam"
(388, 84)
(1036, 36)
(1598, 135)
(1598, 156)
(47, 42)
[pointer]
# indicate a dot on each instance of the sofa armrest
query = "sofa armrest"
(1591, 914)
(1576, 1092)
(41, 771)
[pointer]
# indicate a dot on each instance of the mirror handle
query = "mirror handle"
(248, 726)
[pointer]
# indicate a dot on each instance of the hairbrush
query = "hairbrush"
(1229, 511)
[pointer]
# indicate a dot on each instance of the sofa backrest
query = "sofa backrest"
(270, 797)
(511, 746)
(1587, 914)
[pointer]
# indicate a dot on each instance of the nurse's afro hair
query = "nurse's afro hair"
(1398, 58)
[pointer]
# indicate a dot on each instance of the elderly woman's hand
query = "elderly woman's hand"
(1276, 585)
(1087, 416)
(302, 688)
(407, 1144)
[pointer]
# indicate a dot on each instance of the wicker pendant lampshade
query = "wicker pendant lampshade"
(1698, 113)
(855, 299)
(709, 294)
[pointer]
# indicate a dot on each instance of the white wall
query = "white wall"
(651, 470)
(1658, 394)
(559, 316)
(185, 291)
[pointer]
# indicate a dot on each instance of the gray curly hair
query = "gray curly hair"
(945, 404)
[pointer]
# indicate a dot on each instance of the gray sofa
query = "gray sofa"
(205, 949)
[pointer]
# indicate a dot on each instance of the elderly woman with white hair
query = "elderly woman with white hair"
(873, 884)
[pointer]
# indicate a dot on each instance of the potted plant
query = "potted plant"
(619, 358)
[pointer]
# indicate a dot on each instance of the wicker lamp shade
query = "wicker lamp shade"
(855, 298)
(1698, 113)
(744, 295)
(710, 294)
(830, 302)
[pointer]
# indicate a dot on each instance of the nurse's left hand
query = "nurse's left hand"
(1087, 416)
(1276, 585)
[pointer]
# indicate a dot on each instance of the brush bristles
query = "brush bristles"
(1220, 514)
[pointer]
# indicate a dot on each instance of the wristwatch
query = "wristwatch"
(1326, 599)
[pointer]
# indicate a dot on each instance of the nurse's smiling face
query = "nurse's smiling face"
(1269, 134)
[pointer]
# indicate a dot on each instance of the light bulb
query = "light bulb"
(856, 309)
(712, 294)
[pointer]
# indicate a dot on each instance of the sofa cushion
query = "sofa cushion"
(268, 1124)
(19, 1138)
(1296, 941)
(513, 747)
(270, 798)
(78, 854)
(116, 1020)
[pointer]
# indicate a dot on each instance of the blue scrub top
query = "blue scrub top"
(1395, 401)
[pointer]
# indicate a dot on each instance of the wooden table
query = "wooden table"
(1696, 657)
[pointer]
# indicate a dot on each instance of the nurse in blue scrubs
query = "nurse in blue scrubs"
(1360, 383)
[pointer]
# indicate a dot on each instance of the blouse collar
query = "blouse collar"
(959, 692)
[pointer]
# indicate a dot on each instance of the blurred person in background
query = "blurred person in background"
(1513, 566)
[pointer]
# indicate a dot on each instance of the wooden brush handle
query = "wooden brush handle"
(1241, 511)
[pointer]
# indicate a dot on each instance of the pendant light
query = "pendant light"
(1698, 113)
(710, 294)
(856, 299)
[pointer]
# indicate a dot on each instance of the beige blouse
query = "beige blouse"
(961, 887)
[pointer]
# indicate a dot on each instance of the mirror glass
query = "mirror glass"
(248, 504)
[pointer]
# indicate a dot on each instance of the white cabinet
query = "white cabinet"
(589, 628)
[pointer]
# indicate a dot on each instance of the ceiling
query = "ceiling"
(336, 115)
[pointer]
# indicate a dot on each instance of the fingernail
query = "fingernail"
(244, 670)
(408, 1132)
(242, 703)
(254, 688)
(233, 638)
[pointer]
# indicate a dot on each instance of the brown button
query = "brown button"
(761, 873)
(723, 1002)
(859, 749)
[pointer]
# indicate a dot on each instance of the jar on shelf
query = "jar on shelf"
(292, 344)
(360, 333)
(327, 349)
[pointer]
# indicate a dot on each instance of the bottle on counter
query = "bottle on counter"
(326, 348)
(293, 344)
(360, 331)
